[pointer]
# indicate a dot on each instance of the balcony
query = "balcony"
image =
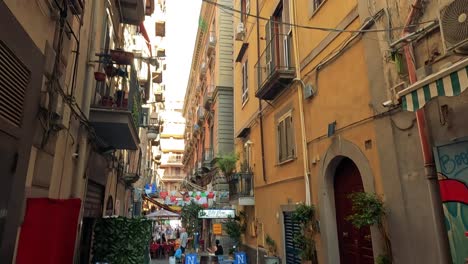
(200, 115)
(203, 69)
(159, 97)
(131, 168)
(274, 67)
(241, 189)
(208, 97)
(175, 159)
(160, 28)
(149, 10)
(114, 115)
(211, 44)
(161, 53)
(157, 77)
(173, 178)
(132, 11)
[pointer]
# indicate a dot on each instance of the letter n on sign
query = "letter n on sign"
(240, 258)
(191, 259)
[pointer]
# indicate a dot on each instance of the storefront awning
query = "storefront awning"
(448, 82)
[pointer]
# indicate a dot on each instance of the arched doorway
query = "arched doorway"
(355, 245)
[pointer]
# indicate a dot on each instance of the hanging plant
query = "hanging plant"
(99, 76)
(369, 210)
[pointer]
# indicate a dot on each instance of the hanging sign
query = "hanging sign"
(217, 229)
(216, 213)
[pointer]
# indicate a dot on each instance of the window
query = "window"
(314, 5)
(245, 81)
(278, 35)
(285, 138)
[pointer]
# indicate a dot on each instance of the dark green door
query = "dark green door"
(291, 227)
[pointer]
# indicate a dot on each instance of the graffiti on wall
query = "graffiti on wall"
(452, 168)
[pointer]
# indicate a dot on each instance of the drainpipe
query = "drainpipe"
(300, 97)
(83, 155)
(260, 115)
(429, 165)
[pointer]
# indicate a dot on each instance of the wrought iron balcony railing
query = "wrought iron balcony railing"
(275, 67)
(241, 185)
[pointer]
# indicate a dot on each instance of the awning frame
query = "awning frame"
(418, 94)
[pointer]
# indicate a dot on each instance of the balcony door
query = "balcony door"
(278, 39)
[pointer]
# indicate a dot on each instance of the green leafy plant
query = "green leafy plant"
(121, 240)
(190, 219)
(305, 216)
(235, 227)
(271, 245)
(368, 210)
(227, 164)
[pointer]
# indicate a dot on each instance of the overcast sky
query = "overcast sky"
(181, 30)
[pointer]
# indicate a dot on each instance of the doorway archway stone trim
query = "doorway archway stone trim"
(336, 152)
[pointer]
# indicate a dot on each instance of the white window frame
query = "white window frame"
(245, 82)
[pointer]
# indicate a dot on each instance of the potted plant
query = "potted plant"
(369, 210)
(305, 216)
(272, 257)
(99, 76)
(227, 164)
(122, 57)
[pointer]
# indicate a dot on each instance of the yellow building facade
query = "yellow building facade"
(309, 121)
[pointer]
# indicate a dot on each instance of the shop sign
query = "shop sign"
(217, 229)
(452, 171)
(216, 213)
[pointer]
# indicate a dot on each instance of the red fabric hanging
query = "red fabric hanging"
(48, 232)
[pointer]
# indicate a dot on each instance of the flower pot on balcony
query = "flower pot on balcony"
(100, 76)
(122, 57)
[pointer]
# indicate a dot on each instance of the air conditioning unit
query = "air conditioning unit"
(453, 17)
(308, 91)
(240, 32)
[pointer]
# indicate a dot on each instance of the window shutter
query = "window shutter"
(291, 228)
(246, 78)
(290, 135)
(286, 19)
(279, 144)
(269, 26)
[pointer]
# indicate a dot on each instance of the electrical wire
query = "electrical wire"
(316, 28)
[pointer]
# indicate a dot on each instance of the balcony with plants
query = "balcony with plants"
(241, 186)
(116, 106)
(275, 67)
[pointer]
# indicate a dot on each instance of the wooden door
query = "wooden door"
(355, 244)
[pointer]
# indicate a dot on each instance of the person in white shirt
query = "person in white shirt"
(183, 240)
